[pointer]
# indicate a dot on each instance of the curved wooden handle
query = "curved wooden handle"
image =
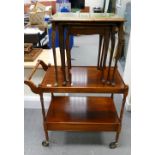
(44, 66)
(40, 62)
(34, 70)
(33, 87)
(28, 82)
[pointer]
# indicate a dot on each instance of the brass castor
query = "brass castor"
(45, 143)
(113, 145)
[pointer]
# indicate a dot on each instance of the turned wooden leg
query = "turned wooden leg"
(119, 49)
(102, 52)
(106, 43)
(52, 96)
(68, 57)
(54, 54)
(46, 142)
(99, 51)
(62, 52)
(111, 55)
(113, 145)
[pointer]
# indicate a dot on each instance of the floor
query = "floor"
(76, 143)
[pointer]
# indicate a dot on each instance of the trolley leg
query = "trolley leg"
(113, 145)
(46, 142)
(52, 95)
(117, 136)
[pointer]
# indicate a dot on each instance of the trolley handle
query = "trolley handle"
(34, 70)
(40, 62)
(28, 82)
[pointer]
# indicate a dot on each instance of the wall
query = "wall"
(121, 7)
(127, 76)
(120, 10)
(94, 3)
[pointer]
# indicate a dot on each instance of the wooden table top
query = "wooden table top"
(87, 17)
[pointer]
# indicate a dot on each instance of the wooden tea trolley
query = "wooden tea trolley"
(73, 113)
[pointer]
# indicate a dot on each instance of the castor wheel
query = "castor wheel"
(113, 145)
(45, 143)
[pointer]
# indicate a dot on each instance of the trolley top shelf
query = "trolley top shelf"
(83, 80)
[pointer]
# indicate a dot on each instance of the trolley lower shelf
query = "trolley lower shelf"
(82, 114)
